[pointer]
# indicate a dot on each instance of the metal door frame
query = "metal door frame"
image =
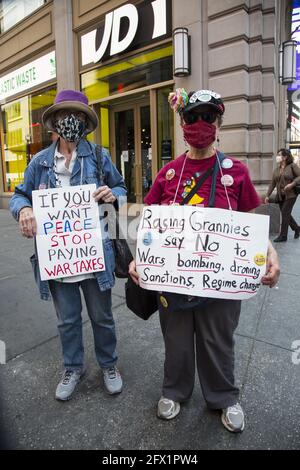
(136, 107)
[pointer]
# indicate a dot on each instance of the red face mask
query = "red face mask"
(200, 134)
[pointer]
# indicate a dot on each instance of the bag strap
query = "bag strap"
(200, 182)
(98, 151)
(214, 170)
(220, 157)
(101, 179)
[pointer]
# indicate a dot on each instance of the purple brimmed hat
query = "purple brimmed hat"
(74, 101)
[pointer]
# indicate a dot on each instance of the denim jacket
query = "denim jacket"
(40, 172)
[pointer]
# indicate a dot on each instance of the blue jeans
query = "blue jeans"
(68, 306)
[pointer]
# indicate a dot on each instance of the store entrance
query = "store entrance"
(138, 130)
(132, 147)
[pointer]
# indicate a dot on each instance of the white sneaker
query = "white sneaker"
(112, 380)
(233, 418)
(67, 385)
(167, 409)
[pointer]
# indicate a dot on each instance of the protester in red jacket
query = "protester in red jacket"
(209, 327)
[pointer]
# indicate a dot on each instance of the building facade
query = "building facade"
(120, 53)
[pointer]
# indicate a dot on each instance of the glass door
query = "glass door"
(132, 148)
(146, 149)
(125, 149)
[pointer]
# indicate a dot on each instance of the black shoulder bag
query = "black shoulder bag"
(122, 251)
(142, 302)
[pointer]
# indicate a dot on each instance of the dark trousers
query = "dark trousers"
(287, 219)
(208, 331)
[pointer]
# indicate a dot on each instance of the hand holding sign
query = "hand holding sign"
(133, 272)
(104, 193)
(27, 222)
(273, 271)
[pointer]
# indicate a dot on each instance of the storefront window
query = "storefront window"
(146, 150)
(23, 134)
(138, 71)
(165, 128)
(293, 128)
(104, 119)
(125, 150)
(13, 11)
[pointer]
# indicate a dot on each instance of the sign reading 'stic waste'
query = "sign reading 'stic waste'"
(201, 251)
(68, 238)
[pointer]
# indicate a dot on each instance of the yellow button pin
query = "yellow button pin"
(163, 301)
(260, 259)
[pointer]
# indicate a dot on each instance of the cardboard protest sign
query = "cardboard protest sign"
(68, 238)
(203, 252)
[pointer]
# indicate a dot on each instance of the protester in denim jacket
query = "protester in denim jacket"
(72, 161)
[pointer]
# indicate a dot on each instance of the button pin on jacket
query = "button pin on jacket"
(227, 180)
(227, 164)
(170, 174)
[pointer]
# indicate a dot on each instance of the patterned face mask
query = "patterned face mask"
(71, 128)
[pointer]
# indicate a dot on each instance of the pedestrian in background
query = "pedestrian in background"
(70, 161)
(285, 177)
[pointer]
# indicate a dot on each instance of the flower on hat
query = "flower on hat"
(178, 99)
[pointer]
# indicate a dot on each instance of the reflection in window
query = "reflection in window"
(24, 134)
(293, 129)
(165, 128)
(13, 11)
(146, 150)
(144, 69)
(125, 150)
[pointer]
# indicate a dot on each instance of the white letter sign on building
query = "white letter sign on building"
(202, 252)
(32, 74)
(129, 11)
(69, 240)
(113, 26)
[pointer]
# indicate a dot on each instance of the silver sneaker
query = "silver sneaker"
(67, 385)
(167, 409)
(112, 380)
(233, 418)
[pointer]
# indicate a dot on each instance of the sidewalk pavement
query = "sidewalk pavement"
(269, 380)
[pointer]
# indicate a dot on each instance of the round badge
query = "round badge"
(227, 163)
(163, 301)
(227, 180)
(147, 238)
(260, 259)
(170, 174)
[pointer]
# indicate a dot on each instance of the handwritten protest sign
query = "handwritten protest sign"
(201, 251)
(68, 238)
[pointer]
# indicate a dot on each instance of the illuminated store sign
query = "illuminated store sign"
(35, 73)
(127, 28)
